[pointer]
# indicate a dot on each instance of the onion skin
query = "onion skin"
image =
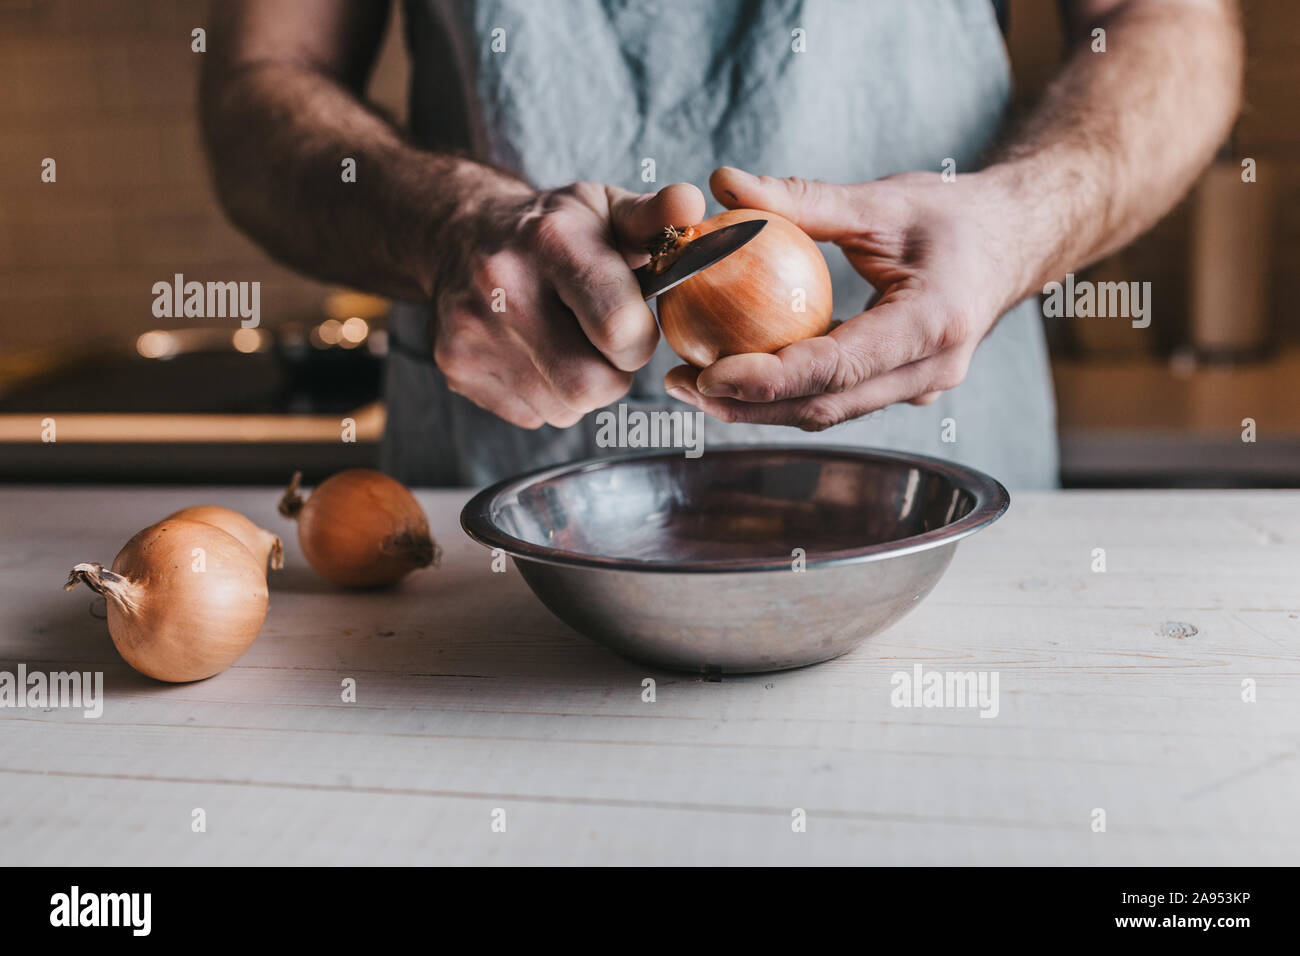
(745, 302)
(361, 529)
(170, 621)
(262, 543)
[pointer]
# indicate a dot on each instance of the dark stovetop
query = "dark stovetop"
(206, 382)
(312, 382)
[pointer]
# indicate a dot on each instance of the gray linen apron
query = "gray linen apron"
(589, 89)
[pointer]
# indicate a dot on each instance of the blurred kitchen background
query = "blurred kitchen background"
(108, 88)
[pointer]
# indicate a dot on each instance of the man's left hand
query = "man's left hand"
(941, 254)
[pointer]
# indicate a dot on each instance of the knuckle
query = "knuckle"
(577, 386)
(851, 367)
(817, 417)
(549, 235)
(619, 333)
(588, 386)
(951, 372)
(952, 328)
(586, 192)
(804, 191)
(493, 272)
(449, 351)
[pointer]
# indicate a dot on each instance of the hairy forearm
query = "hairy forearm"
(1119, 136)
(277, 134)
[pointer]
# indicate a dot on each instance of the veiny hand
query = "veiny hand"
(940, 254)
(537, 315)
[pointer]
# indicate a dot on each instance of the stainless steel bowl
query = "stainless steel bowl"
(748, 558)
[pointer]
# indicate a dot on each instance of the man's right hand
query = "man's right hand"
(537, 315)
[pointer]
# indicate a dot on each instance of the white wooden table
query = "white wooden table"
(472, 698)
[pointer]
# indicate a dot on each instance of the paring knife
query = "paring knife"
(698, 255)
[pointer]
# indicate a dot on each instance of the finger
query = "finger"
(489, 392)
(929, 398)
(572, 368)
(817, 412)
(529, 386)
(894, 333)
(593, 280)
(680, 384)
(499, 375)
(825, 211)
(638, 218)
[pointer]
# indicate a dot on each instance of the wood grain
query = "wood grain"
(471, 697)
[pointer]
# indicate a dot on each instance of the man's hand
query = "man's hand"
(538, 317)
(940, 254)
(1117, 139)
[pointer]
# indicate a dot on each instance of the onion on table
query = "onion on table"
(360, 528)
(185, 599)
(262, 543)
(773, 291)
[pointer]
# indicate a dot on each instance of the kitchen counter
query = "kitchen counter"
(1119, 691)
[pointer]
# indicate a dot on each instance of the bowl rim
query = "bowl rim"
(991, 501)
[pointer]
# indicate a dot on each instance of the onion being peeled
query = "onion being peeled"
(360, 528)
(264, 545)
(773, 291)
(185, 599)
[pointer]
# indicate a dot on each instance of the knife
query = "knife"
(698, 255)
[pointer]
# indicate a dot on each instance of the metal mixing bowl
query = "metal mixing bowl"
(749, 558)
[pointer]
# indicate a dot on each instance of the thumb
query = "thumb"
(638, 218)
(825, 211)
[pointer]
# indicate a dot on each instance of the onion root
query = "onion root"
(103, 582)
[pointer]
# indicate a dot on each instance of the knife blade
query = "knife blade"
(698, 255)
